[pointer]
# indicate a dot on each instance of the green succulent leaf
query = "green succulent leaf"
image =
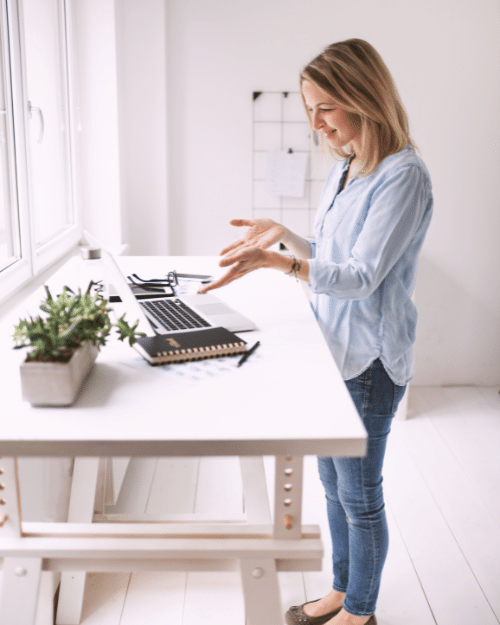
(69, 320)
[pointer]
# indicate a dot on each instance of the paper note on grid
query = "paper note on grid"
(286, 173)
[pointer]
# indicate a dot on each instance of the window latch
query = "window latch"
(37, 111)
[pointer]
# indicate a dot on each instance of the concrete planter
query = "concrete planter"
(57, 383)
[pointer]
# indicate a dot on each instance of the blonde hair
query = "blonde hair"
(353, 73)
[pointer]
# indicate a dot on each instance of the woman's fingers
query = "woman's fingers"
(232, 246)
(250, 240)
(242, 241)
(242, 222)
(215, 285)
(228, 260)
(261, 233)
(248, 258)
(240, 264)
(234, 273)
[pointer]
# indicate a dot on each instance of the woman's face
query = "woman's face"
(328, 118)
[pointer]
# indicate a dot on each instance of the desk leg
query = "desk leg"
(81, 510)
(10, 504)
(288, 497)
(21, 580)
(258, 575)
(21, 576)
(261, 591)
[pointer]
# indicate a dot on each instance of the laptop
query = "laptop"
(172, 314)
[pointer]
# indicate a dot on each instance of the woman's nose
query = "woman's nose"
(317, 120)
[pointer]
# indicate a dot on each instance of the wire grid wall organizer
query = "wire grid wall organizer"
(280, 123)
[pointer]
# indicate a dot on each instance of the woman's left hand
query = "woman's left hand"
(240, 263)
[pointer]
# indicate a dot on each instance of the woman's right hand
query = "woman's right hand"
(261, 233)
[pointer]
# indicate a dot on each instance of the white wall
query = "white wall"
(98, 132)
(445, 57)
(142, 96)
(121, 77)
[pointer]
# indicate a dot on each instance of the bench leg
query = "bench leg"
(20, 584)
(261, 591)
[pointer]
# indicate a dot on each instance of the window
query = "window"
(38, 218)
(10, 249)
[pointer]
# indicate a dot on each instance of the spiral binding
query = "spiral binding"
(199, 353)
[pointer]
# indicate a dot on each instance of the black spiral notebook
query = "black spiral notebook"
(191, 345)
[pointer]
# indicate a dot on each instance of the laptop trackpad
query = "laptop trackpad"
(219, 313)
(214, 309)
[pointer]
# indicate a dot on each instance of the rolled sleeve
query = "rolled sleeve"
(312, 245)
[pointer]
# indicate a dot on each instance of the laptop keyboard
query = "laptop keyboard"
(174, 315)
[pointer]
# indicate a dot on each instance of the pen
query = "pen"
(248, 353)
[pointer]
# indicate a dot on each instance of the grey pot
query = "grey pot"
(57, 383)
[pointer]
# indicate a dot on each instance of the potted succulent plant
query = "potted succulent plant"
(64, 345)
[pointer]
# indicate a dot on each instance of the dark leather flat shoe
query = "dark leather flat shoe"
(297, 616)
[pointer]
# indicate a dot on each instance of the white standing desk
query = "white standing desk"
(288, 401)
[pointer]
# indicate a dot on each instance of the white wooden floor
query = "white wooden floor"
(442, 481)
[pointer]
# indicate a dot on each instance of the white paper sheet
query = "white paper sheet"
(286, 173)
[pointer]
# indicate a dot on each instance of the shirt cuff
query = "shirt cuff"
(315, 276)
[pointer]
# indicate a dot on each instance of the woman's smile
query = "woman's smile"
(323, 111)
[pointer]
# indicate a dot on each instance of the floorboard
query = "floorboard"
(469, 520)
(155, 599)
(105, 595)
(471, 429)
(214, 599)
(174, 486)
(219, 486)
(442, 567)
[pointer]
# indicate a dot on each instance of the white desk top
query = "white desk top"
(288, 398)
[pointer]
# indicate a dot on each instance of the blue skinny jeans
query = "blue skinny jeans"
(354, 495)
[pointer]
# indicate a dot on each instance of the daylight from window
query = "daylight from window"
(49, 127)
(9, 228)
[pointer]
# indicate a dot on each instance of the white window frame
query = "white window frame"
(34, 260)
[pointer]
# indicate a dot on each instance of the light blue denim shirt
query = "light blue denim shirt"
(364, 262)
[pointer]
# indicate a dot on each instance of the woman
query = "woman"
(361, 266)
